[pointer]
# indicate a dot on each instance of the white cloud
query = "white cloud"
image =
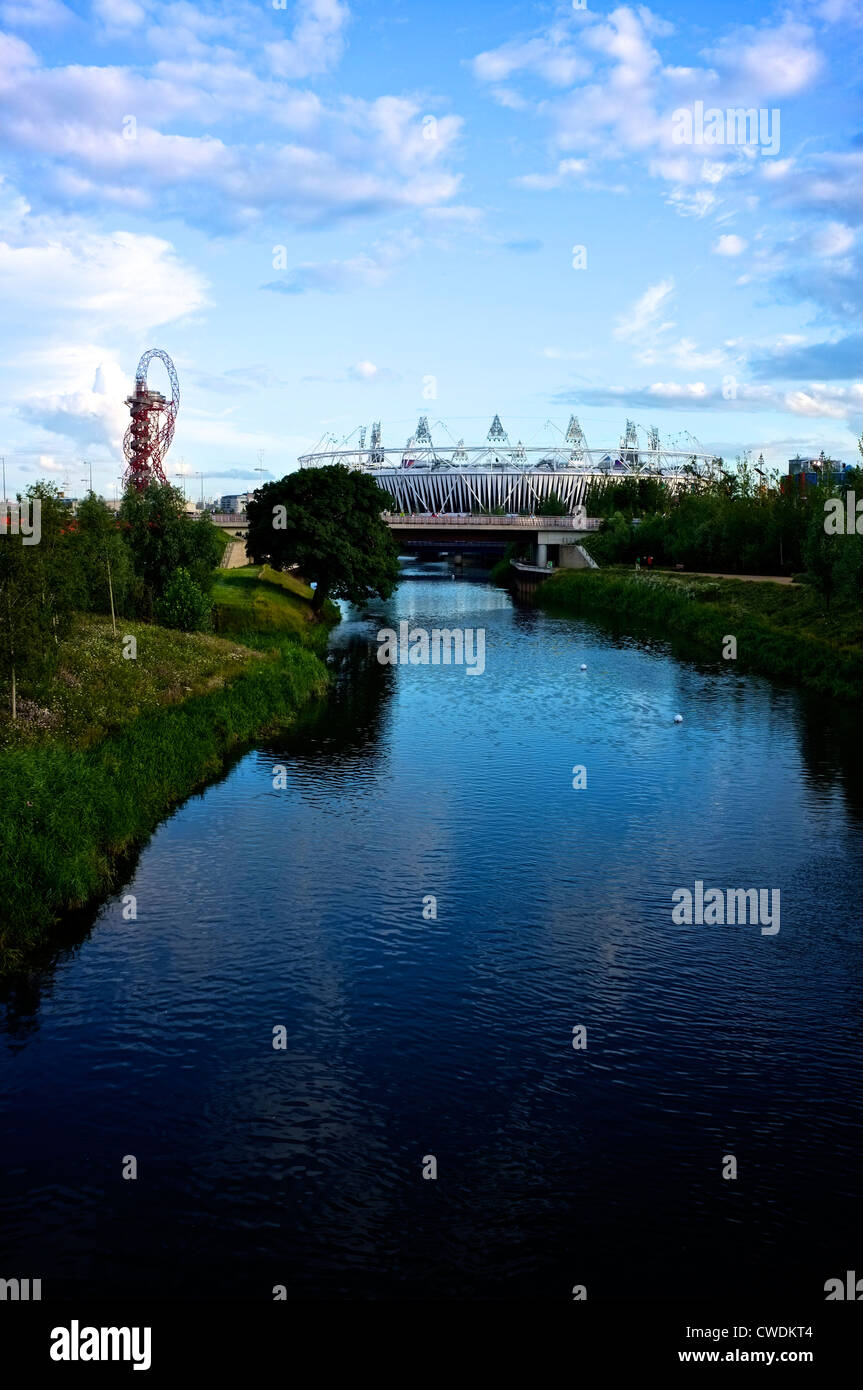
(767, 63)
(833, 240)
(365, 371)
(697, 204)
(35, 14)
(729, 245)
(816, 401)
(77, 304)
(644, 317)
(566, 169)
(94, 281)
(91, 416)
(317, 41)
(552, 58)
(120, 14)
(70, 129)
(775, 170)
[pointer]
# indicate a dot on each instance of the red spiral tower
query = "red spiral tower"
(151, 430)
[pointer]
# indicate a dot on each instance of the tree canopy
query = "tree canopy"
(328, 522)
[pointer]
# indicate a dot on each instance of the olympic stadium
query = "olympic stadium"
(434, 474)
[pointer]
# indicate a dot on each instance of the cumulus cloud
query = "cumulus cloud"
(95, 280)
(612, 94)
(316, 43)
(77, 304)
(769, 62)
(816, 400)
(729, 244)
(90, 417)
(169, 138)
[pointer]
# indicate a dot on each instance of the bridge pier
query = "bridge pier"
(542, 554)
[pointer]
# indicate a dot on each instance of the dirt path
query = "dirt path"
(235, 555)
(710, 574)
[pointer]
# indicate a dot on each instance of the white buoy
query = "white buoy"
(678, 718)
(583, 666)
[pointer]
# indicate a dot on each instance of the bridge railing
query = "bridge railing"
(551, 523)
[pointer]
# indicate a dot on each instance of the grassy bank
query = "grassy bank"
(99, 757)
(253, 599)
(781, 631)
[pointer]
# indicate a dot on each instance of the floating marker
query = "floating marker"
(583, 666)
(678, 718)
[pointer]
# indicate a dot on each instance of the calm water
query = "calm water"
(302, 906)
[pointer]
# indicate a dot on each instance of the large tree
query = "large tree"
(328, 522)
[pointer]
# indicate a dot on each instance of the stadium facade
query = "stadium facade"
(433, 477)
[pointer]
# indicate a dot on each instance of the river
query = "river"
(418, 1030)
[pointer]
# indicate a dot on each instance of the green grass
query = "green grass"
(102, 752)
(96, 690)
(782, 631)
(260, 600)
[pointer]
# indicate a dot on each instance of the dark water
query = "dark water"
(302, 906)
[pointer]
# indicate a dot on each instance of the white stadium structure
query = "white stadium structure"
(434, 477)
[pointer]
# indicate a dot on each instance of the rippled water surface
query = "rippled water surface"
(302, 906)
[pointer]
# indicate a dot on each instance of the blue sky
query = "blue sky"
(332, 213)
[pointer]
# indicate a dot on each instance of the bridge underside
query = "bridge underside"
(463, 542)
(541, 540)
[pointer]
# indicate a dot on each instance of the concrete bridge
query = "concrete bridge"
(235, 523)
(550, 538)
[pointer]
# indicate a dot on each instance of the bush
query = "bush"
(183, 605)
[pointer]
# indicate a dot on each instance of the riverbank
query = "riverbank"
(114, 744)
(255, 599)
(781, 631)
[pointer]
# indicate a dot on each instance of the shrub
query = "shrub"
(183, 605)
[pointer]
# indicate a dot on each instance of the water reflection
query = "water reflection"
(296, 901)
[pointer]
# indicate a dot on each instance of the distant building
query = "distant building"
(808, 472)
(234, 503)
